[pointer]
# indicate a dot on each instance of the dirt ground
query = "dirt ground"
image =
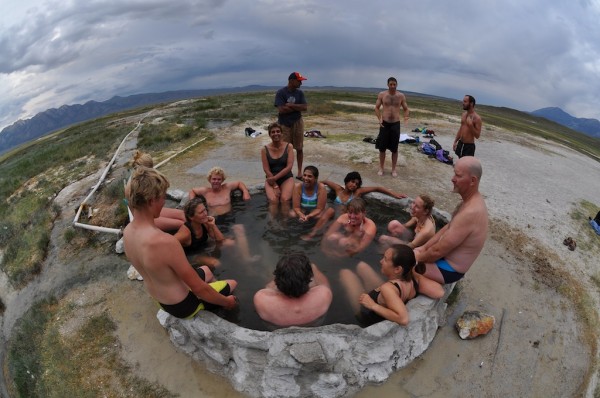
(538, 347)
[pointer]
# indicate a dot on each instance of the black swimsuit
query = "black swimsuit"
(276, 165)
(197, 243)
(369, 317)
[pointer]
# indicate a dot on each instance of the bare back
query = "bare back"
(155, 254)
(279, 309)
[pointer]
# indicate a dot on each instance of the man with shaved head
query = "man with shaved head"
(454, 248)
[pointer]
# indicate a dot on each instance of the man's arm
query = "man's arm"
(242, 187)
(454, 235)
(404, 106)
(198, 191)
(182, 268)
(474, 123)
(378, 104)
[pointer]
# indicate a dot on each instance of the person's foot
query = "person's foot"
(380, 172)
(394, 174)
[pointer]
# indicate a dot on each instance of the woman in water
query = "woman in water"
(309, 197)
(170, 219)
(278, 160)
(351, 233)
(416, 231)
(344, 194)
(387, 299)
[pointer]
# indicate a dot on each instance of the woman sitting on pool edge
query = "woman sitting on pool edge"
(387, 299)
(416, 231)
(351, 233)
(344, 194)
(277, 160)
(309, 196)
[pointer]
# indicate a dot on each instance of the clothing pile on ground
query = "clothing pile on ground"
(433, 149)
(250, 132)
(408, 139)
(427, 133)
(595, 223)
(313, 134)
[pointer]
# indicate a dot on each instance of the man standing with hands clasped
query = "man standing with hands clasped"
(290, 102)
(470, 128)
(389, 123)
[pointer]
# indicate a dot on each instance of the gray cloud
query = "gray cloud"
(524, 55)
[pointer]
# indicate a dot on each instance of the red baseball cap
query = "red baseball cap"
(296, 76)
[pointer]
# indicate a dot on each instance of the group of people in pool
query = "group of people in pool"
(417, 259)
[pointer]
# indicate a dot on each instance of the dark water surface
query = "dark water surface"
(269, 239)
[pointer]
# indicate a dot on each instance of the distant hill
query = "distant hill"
(57, 118)
(590, 127)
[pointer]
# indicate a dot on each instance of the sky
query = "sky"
(522, 54)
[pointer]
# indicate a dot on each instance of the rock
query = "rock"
(176, 194)
(120, 247)
(133, 274)
(474, 323)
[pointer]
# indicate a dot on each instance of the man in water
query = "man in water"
(159, 257)
(290, 103)
(454, 248)
(299, 294)
(389, 123)
(470, 129)
(218, 195)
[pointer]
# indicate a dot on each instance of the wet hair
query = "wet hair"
(428, 203)
(357, 205)
(392, 79)
(142, 159)
(471, 99)
(313, 170)
(293, 274)
(404, 256)
(190, 207)
(353, 175)
(145, 185)
(218, 171)
(272, 126)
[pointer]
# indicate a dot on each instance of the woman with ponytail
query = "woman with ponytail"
(387, 299)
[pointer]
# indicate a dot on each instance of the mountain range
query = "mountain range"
(590, 127)
(55, 119)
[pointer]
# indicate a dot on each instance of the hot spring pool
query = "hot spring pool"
(269, 239)
(328, 361)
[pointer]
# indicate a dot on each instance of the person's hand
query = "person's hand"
(303, 217)
(366, 301)
(246, 196)
(454, 145)
(271, 181)
(211, 221)
(400, 196)
(232, 303)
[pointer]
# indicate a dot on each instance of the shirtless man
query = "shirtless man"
(218, 195)
(299, 295)
(454, 248)
(470, 128)
(159, 258)
(351, 233)
(389, 123)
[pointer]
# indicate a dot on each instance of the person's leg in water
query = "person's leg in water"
(326, 216)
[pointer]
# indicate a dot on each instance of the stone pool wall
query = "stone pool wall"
(327, 361)
(324, 362)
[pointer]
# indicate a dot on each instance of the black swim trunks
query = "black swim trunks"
(389, 137)
(190, 305)
(463, 149)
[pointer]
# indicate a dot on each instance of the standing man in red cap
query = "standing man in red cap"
(290, 102)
